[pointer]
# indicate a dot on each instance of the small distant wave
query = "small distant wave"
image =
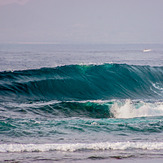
(147, 50)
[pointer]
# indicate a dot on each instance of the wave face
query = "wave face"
(83, 82)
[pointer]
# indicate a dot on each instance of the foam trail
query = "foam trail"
(81, 146)
(131, 110)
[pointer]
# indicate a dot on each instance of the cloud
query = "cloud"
(7, 2)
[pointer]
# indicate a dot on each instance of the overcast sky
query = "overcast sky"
(81, 21)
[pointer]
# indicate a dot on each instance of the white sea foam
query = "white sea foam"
(129, 109)
(81, 146)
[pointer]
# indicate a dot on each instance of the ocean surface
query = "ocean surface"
(80, 103)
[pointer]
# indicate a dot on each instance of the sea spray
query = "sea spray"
(131, 109)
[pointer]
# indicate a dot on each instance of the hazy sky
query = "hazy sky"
(81, 21)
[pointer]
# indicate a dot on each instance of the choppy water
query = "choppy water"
(80, 102)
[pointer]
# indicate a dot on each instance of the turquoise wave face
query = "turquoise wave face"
(83, 82)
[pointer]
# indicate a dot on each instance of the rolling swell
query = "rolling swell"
(83, 82)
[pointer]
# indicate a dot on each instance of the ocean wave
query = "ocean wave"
(89, 109)
(61, 119)
(83, 82)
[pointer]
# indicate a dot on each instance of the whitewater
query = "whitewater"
(80, 103)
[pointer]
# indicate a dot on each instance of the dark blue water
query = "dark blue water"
(80, 102)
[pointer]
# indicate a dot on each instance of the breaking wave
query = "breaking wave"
(89, 109)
